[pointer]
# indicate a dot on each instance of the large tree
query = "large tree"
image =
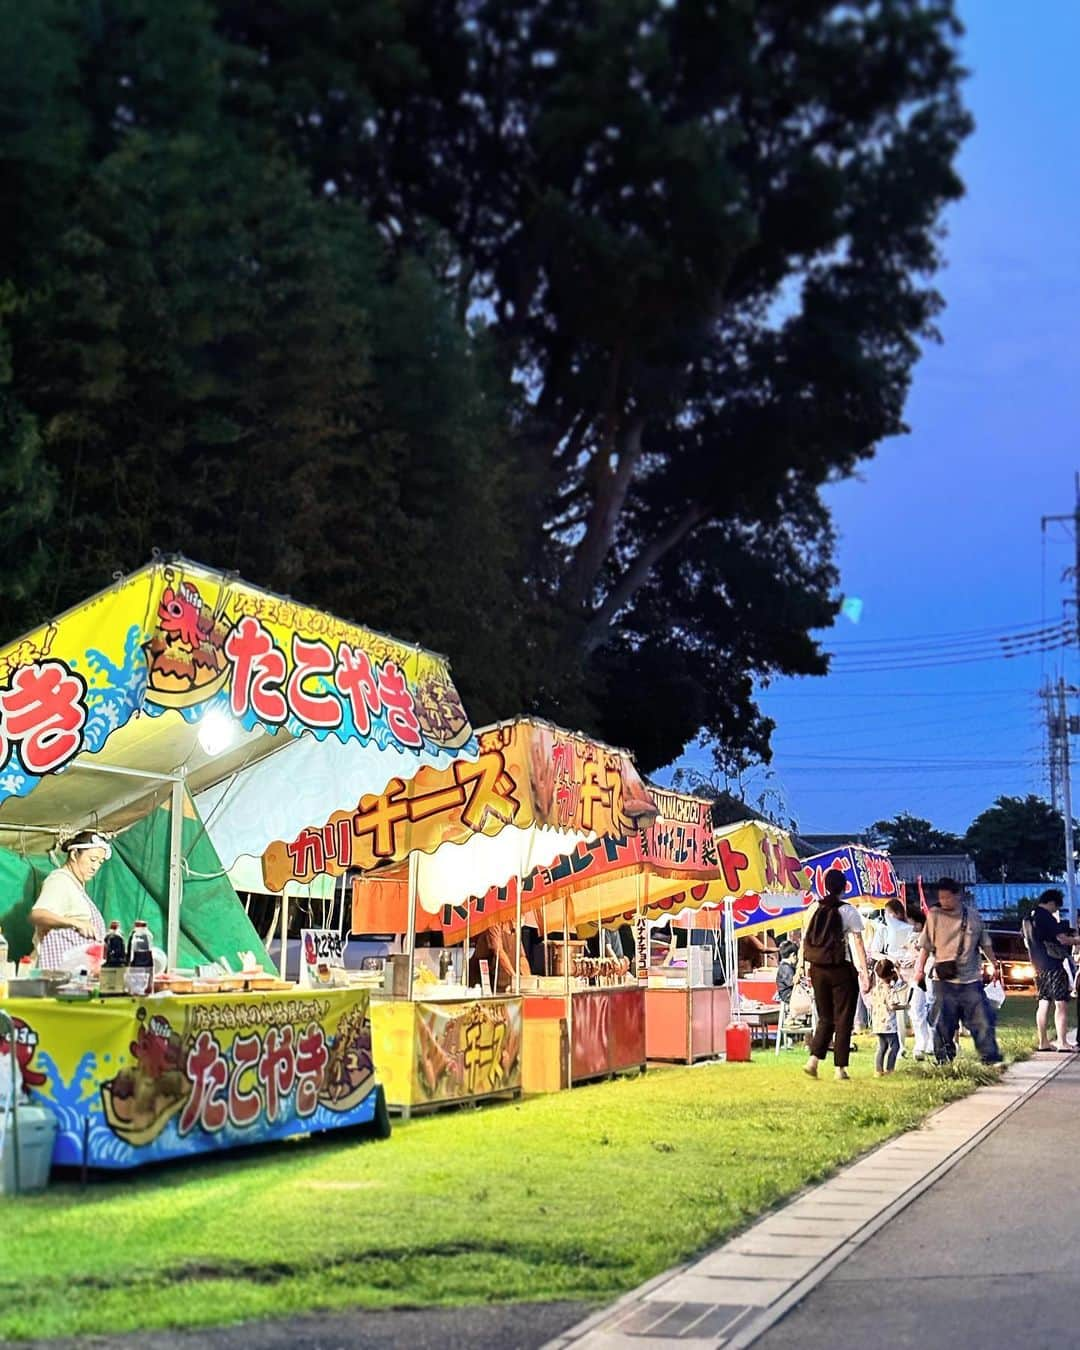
(702, 236)
(611, 287)
(1026, 835)
(208, 358)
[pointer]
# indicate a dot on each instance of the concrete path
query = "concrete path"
(848, 1248)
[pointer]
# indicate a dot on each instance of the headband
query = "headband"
(95, 841)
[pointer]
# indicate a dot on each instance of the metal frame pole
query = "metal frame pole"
(176, 877)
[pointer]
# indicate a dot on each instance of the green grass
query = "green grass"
(580, 1195)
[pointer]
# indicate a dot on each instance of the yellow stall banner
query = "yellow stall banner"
(176, 635)
(527, 773)
(139, 1081)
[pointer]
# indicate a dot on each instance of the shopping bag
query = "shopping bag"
(802, 1000)
(995, 993)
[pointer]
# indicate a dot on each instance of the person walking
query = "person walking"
(955, 937)
(833, 951)
(893, 941)
(1048, 941)
(919, 1006)
(883, 1015)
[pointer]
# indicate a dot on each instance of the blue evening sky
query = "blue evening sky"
(941, 533)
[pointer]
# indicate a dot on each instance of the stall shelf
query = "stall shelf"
(137, 1081)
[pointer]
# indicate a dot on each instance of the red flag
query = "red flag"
(922, 899)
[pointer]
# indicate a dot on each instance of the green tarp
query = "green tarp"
(134, 884)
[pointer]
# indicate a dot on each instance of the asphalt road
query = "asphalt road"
(986, 1258)
(512, 1326)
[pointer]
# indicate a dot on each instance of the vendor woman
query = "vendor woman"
(64, 916)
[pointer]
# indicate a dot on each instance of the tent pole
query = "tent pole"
(732, 961)
(176, 880)
(517, 936)
(414, 881)
(284, 933)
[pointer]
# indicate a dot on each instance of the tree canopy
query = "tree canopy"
(906, 833)
(527, 330)
(1026, 835)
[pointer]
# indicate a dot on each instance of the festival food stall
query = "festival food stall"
(603, 889)
(758, 886)
(145, 713)
(448, 851)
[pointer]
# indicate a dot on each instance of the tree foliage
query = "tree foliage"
(1026, 835)
(906, 833)
(528, 330)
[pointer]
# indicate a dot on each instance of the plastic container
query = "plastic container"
(37, 1134)
(737, 1043)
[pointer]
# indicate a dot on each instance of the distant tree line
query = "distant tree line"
(1023, 835)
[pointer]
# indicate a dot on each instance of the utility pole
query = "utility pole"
(1066, 782)
(1059, 723)
(1053, 741)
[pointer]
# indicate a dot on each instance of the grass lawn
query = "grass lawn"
(579, 1195)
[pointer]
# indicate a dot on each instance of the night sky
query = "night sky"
(941, 535)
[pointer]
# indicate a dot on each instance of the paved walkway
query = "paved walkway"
(844, 1254)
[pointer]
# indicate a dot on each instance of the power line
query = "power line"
(956, 634)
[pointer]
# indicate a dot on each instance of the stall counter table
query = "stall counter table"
(590, 1033)
(435, 1052)
(687, 1023)
(134, 1081)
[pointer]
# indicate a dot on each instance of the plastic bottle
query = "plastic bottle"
(115, 963)
(140, 973)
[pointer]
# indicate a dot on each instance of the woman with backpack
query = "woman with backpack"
(833, 951)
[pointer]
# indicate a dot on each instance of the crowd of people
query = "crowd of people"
(928, 971)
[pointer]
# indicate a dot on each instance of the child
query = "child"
(887, 982)
(785, 971)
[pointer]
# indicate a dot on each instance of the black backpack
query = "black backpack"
(824, 941)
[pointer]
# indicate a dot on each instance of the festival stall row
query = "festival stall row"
(171, 688)
(468, 855)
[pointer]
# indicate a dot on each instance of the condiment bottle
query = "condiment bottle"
(111, 980)
(140, 973)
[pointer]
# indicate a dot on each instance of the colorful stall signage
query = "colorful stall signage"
(870, 874)
(678, 843)
(527, 773)
(143, 1081)
(442, 1052)
(177, 635)
(755, 864)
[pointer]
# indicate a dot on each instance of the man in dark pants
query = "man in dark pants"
(833, 967)
(955, 937)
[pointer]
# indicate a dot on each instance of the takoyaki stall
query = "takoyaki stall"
(147, 1019)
